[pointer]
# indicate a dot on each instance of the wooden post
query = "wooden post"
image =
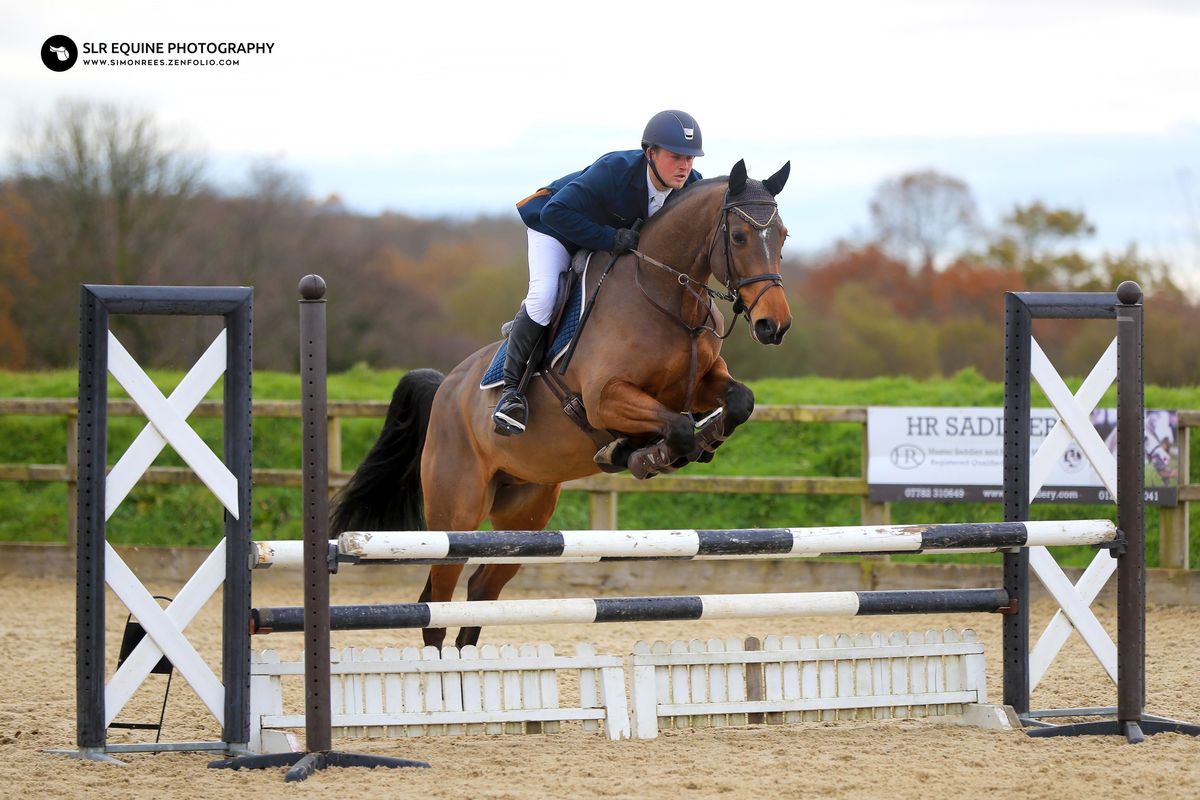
(602, 511)
(334, 426)
(72, 477)
(1173, 522)
(871, 513)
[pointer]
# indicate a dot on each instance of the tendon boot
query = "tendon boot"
(512, 410)
(710, 434)
(654, 459)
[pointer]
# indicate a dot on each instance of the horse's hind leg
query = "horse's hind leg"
(516, 508)
(439, 588)
(457, 495)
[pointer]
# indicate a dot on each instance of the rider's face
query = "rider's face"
(673, 167)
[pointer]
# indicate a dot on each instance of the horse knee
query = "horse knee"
(739, 404)
(681, 435)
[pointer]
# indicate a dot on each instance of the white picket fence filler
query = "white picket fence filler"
(790, 679)
(399, 693)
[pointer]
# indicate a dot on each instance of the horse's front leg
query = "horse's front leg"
(718, 389)
(625, 407)
(516, 508)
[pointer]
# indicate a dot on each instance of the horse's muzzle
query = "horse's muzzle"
(768, 331)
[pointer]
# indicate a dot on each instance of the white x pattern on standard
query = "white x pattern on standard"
(164, 627)
(1074, 601)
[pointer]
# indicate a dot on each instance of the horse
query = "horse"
(650, 353)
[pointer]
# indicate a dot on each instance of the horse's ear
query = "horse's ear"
(774, 184)
(737, 177)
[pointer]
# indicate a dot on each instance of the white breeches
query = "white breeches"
(547, 260)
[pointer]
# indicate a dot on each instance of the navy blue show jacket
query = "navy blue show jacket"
(585, 208)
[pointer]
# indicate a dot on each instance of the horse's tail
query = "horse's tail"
(384, 494)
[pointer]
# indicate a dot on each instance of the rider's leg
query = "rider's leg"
(547, 259)
(512, 410)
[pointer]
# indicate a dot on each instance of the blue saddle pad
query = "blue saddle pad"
(494, 376)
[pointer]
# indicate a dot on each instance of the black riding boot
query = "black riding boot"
(512, 410)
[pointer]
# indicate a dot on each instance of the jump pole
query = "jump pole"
(639, 609)
(590, 546)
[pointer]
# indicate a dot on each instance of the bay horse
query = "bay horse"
(650, 352)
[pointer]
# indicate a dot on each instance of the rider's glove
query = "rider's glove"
(624, 240)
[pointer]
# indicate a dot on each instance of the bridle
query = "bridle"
(702, 292)
(733, 284)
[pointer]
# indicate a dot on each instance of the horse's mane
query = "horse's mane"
(754, 191)
(680, 196)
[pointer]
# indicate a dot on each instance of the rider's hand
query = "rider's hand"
(624, 240)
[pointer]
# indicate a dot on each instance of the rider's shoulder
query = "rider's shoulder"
(618, 165)
(620, 158)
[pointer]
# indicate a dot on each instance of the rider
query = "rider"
(595, 209)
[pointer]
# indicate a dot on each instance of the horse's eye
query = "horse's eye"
(739, 238)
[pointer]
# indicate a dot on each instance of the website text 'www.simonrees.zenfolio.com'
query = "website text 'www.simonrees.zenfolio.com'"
(170, 54)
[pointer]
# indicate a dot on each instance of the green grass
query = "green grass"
(189, 515)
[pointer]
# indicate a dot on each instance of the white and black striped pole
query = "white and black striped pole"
(639, 609)
(483, 547)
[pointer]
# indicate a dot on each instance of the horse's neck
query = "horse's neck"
(682, 242)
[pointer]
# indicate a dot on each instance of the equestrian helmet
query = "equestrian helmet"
(676, 131)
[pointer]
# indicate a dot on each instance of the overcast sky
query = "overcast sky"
(461, 108)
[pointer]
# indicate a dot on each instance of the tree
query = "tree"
(918, 215)
(108, 192)
(15, 276)
(1032, 239)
